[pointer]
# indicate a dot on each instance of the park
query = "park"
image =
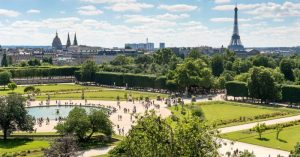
(106, 110)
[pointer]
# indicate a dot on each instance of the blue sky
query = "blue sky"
(112, 23)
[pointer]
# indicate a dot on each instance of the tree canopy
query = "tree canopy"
(14, 115)
(84, 125)
(154, 137)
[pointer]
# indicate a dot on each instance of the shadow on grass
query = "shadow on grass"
(281, 140)
(263, 139)
(11, 143)
(98, 142)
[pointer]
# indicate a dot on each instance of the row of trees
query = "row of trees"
(262, 85)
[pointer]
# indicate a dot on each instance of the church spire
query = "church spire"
(75, 43)
(68, 42)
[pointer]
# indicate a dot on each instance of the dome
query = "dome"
(56, 44)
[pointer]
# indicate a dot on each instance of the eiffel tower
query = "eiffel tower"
(236, 43)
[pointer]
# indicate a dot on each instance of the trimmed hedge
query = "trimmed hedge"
(237, 89)
(41, 71)
(132, 80)
(291, 94)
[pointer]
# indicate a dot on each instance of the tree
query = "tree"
(217, 65)
(34, 62)
(12, 86)
(154, 137)
(279, 128)
(195, 54)
(29, 89)
(100, 123)
(122, 60)
(14, 115)
(265, 61)
(62, 147)
(88, 71)
(262, 85)
(5, 77)
(80, 123)
(193, 73)
(296, 151)
(4, 62)
(163, 56)
(260, 128)
(286, 67)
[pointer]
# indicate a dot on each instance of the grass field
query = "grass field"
(73, 92)
(217, 110)
(103, 94)
(22, 144)
(48, 88)
(287, 138)
(19, 145)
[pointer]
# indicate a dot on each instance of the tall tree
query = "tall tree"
(5, 77)
(4, 62)
(217, 65)
(14, 115)
(88, 71)
(286, 67)
(262, 84)
(193, 73)
(80, 123)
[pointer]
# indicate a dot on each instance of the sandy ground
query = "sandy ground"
(125, 122)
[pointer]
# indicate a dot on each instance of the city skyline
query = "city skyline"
(111, 23)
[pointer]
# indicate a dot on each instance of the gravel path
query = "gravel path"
(251, 125)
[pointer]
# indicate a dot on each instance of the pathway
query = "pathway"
(259, 151)
(251, 125)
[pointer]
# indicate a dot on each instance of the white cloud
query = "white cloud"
(33, 11)
(89, 10)
(169, 16)
(225, 19)
(178, 7)
(134, 7)
(108, 1)
(9, 13)
(266, 10)
(221, 1)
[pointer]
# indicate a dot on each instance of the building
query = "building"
(68, 42)
(236, 43)
(75, 43)
(162, 45)
(140, 46)
(56, 44)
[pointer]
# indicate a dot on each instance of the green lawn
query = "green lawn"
(287, 138)
(103, 94)
(48, 88)
(41, 140)
(220, 110)
(18, 145)
(73, 92)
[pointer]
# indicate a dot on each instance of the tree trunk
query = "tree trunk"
(89, 137)
(4, 134)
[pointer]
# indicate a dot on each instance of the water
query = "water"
(51, 111)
